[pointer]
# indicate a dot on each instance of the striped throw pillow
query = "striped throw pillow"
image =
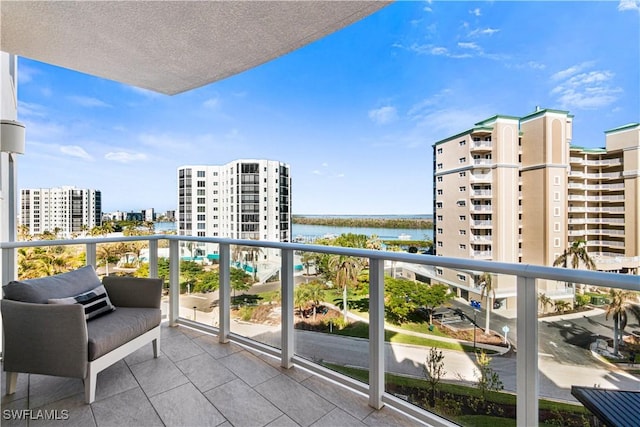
(96, 302)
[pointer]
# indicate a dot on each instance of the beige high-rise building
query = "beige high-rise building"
(513, 189)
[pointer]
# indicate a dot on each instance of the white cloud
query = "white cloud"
(316, 172)
(164, 141)
(560, 75)
(427, 9)
(212, 103)
(26, 73)
(469, 45)
(536, 65)
(475, 11)
(76, 151)
(87, 101)
(383, 115)
(124, 157)
(629, 5)
(144, 92)
(325, 165)
(28, 109)
(580, 88)
(483, 32)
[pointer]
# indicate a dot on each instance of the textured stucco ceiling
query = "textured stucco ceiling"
(169, 46)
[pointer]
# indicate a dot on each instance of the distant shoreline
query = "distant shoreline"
(373, 221)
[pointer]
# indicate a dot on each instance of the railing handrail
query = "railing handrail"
(586, 277)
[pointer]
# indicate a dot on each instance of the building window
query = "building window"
(439, 205)
(462, 203)
(556, 211)
(439, 179)
(439, 165)
(200, 174)
(461, 174)
(201, 200)
(440, 231)
(440, 217)
(462, 277)
(463, 142)
(556, 226)
(556, 196)
(556, 242)
(440, 150)
(439, 244)
(462, 246)
(556, 180)
(439, 192)
(462, 188)
(462, 232)
(462, 217)
(439, 271)
(462, 160)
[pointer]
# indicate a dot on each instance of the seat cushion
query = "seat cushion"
(110, 331)
(40, 291)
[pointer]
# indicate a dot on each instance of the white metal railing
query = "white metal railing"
(481, 223)
(481, 144)
(481, 193)
(482, 161)
(481, 208)
(527, 387)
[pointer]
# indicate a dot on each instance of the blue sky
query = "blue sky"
(354, 114)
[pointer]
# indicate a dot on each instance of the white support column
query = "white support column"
(376, 333)
(153, 259)
(224, 292)
(527, 353)
(174, 281)
(90, 251)
(286, 292)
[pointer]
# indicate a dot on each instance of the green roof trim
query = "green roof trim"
(496, 117)
(623, 127)
(543, 111)
(464, 133)
(588, 150)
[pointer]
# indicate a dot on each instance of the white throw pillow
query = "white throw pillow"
(96, 302)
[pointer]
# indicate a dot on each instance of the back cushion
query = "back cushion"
(59, 286)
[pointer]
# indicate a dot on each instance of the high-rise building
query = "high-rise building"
(513, 189)
(65, 210)
(243, 199)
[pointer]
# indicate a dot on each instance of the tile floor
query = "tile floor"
(196, 382)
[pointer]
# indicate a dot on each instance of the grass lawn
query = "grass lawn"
(460, 390)
(361, 330)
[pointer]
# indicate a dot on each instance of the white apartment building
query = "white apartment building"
(67, 210)
(513, 189)
(244, 199)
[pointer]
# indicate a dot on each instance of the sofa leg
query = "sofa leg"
(156, 347)
(12, 381)
(90, 386)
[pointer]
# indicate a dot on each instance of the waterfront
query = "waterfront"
(312, 232)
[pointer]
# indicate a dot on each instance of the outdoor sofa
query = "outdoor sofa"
(74, 325)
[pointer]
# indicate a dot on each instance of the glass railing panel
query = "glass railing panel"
(255, 295)
(325, 332)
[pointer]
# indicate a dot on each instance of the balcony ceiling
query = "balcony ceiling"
(169, 46)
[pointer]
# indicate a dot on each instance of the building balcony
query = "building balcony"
(217, 370)
(481, 223)
(482, 162)
(478, 177)
(480, 194)
(481, 208)
(481, 146)
(576, 160)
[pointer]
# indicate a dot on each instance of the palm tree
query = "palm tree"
(346, 269)
(576, 253)
(618, 310)
(487, 288)
(254, 252)
(561, 306)
(545, 301)
(307, 258)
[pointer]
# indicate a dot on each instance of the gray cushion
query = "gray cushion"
(109, 332)
(59, 286)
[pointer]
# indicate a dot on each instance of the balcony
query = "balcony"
(481, 146)
(480, 194)
(216, 369)
(478, 177)
(482, 162)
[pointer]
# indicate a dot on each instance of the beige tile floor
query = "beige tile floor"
(196, 382)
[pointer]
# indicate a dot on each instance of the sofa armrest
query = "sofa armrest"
(47, 339)
(133, 291)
